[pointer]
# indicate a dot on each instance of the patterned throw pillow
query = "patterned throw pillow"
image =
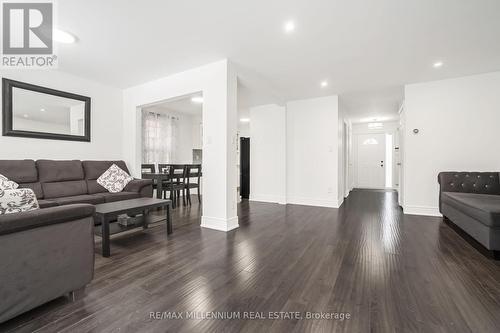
(6, 184)
(114, 179)
(17, 201)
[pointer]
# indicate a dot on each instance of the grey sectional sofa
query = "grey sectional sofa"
(44, 254)
(49, 252)
(57, 183)
(471, 201)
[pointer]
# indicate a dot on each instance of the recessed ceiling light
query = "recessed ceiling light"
(42, 110)
(437, 64)
(245, 120)
(289, 26)
(197, 99)
(64, 37)
(324, 84)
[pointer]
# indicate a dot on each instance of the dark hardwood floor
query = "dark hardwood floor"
(390, 272)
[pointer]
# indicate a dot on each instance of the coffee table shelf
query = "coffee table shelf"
(115, 227)
(106, 214)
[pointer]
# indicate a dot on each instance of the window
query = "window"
(158, 137)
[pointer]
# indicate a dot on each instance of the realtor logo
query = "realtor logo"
(27, 35)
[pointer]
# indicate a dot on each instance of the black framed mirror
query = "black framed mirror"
(33, 111)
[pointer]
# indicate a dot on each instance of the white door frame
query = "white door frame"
(346, 156)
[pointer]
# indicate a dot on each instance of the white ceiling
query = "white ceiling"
(367, 50)
(183, 105)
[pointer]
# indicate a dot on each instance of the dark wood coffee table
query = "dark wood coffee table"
(108, 212)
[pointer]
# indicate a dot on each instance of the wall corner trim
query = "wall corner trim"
(268, 198)
(421, 210)
(219, 224)
(313, 202)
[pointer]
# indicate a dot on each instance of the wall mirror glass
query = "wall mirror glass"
(39, 112)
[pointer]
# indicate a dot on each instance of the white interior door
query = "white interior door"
(371, 161)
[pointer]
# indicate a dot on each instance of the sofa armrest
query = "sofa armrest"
(11, 223)
(142, 186)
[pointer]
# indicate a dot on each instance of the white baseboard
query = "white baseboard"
(341, 201)
(312, 202)
(216, 223)
(268, 198)
(421, 210)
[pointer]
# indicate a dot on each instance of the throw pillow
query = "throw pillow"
(17, 201)
(6, 184)
(114, 179)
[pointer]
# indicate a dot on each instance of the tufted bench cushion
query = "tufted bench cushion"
(483, 207)
(469, 182)
(471, 201)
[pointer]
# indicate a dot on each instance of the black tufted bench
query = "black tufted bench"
(471, 200)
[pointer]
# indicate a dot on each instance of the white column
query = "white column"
(219, 155)
(218, 83)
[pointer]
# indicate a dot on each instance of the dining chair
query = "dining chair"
(167, 183)
(163, 168)
(193, 171)
(149, 168)
(174, 184)
(178, 176)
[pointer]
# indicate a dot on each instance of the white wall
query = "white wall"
(218, 83)
(244, 129)
(312, 151)
(458, 122)
(106, 120)
(268, 153)
(196, 132)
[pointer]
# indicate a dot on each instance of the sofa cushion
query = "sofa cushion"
(93, 187)
(17, 201)
(114, 179)
(64, 189)
(19, 171)
(59, 171)
(482, 207)
(86, 198)
(47, 203)
(7, 184)
(112, 197)
(94, 169)
(36, 187)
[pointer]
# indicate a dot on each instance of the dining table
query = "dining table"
(160, 177)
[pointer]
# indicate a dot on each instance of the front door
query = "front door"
(371, 158)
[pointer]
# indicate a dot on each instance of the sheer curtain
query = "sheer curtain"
(159, 133)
